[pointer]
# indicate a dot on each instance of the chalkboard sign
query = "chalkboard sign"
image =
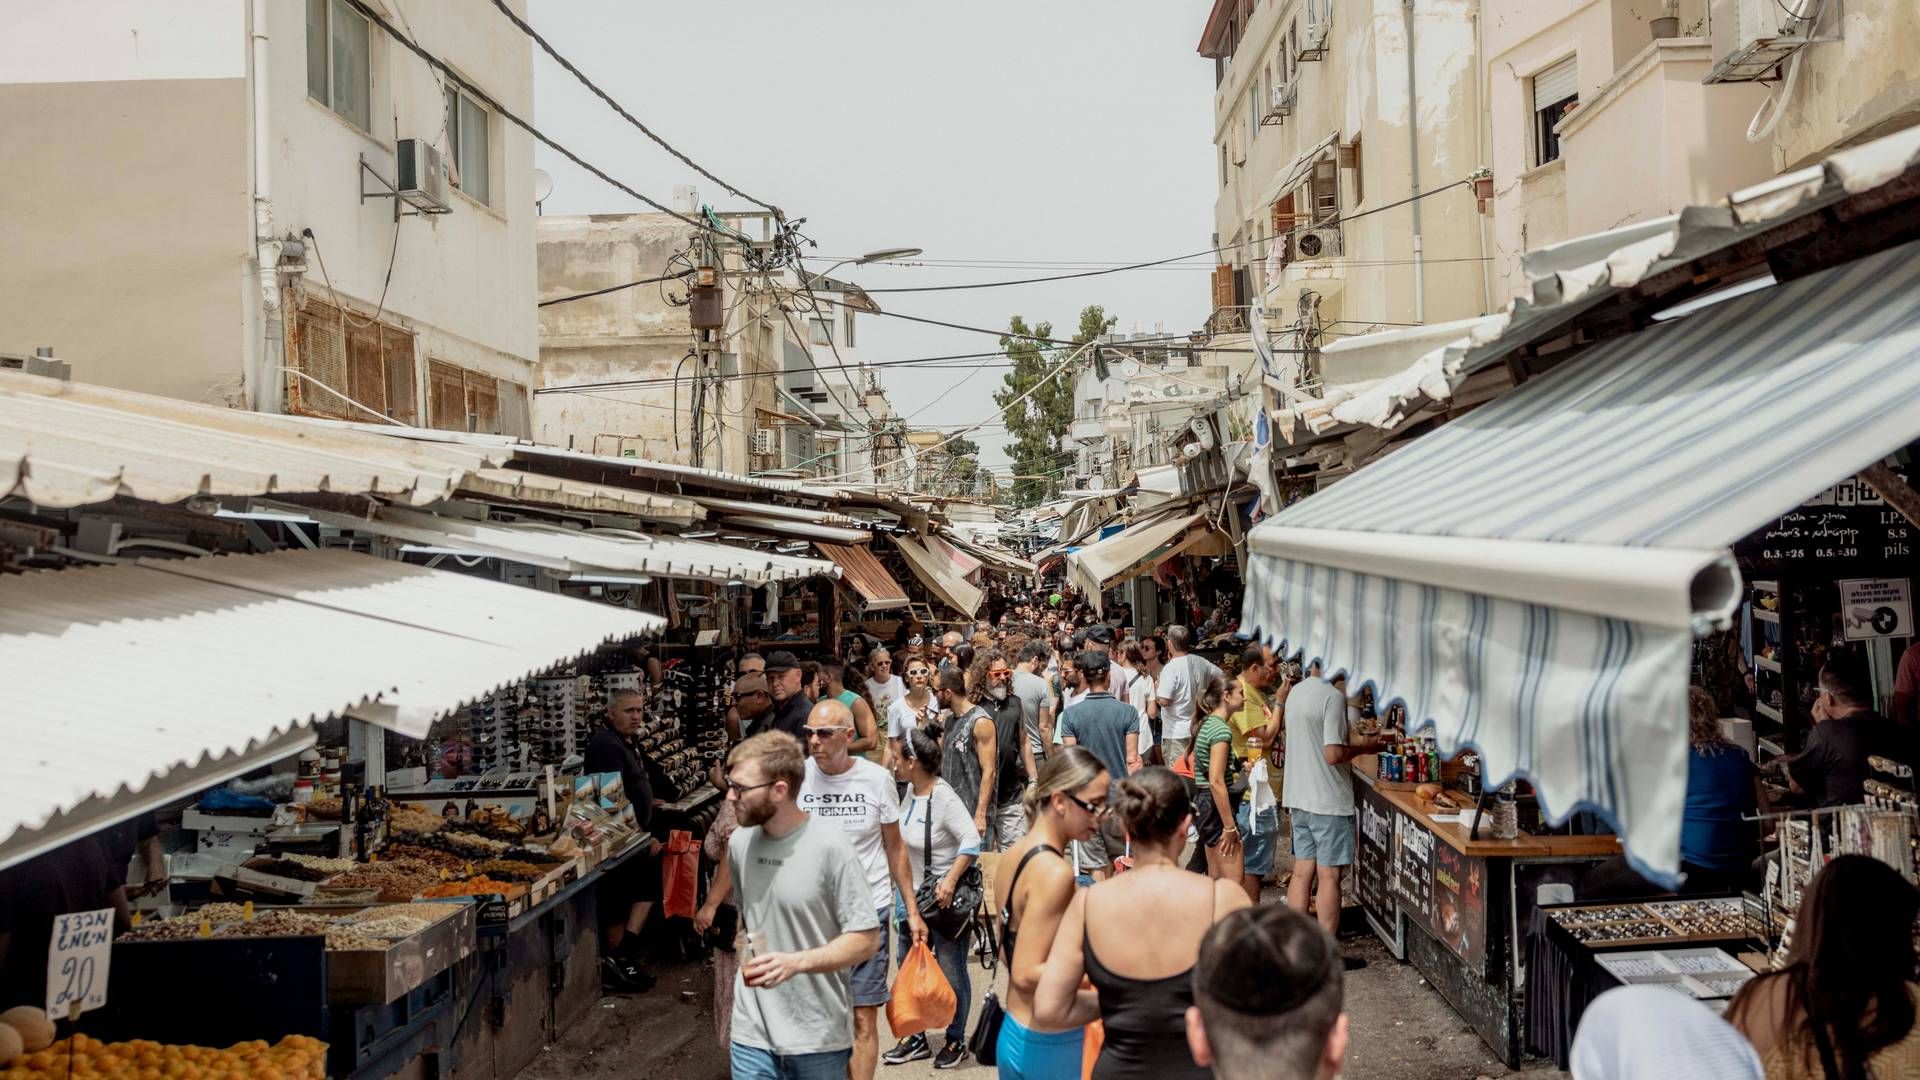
(1413, 869)
(1847, 522)
(1374, 855)
(1460, 905)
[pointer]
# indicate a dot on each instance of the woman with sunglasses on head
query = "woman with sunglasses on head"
(1137, 937)
(1032, 889)
(913, 711)
(932, 812)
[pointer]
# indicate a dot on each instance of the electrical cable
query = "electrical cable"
(613, 289)
(345, 312)
(527, 29)
(440, 65)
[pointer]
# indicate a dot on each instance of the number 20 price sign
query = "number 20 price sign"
(77, 962)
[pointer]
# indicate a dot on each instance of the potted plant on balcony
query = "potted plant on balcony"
(1482, 178)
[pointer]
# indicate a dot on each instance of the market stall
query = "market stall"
(1453, 903)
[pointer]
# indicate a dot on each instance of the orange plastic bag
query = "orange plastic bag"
(922, 999)
(1096, 1038)
(681, 876)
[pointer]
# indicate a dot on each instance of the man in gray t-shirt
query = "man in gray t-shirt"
(1036, 696)
(806, 913)
(1318, 793)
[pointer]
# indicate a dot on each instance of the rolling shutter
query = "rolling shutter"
(1555, 83)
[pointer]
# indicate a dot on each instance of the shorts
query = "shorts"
(1326, 839)
(1025, 1054)
(1006, 825)
(1108, 843)
(1206, 819)
(630, 883)
(1260, 842)
(870, 975)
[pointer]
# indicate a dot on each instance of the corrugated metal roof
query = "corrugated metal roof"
(133, 684)
(537, 488)
(794, 513)
(69, 444)
(786, 527)
(862, 569)
(578, 551)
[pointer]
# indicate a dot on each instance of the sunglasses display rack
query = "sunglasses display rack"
(550, 727)
(487, 728)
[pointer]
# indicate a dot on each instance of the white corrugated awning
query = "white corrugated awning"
(68, 444)
(939, 573)
(968, 566)
(1097, 567)
(791, 513)
(576, 551)
(1529, 578)
(133, 685)
(786, 527)
(516, 485)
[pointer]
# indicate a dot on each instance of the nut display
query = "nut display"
(476, 887)
(291, 1058)
(322, 863)
(433, 857)
(397, 880)
(512, 870)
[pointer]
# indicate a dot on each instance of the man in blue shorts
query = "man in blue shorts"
(1318, 790)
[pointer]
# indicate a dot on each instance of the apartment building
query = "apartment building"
(273, 206)
(1326, 114)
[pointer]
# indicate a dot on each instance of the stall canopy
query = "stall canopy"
(940, 575)
(1095, 568)
(134, 685)
(860, 568)
(570, 551)
(1528, 578)
(968, 566)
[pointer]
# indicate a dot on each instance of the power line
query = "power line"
(441, 66)
(615, 288)
(618, 108)
(1156, 262)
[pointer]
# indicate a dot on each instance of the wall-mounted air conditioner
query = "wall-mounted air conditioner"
(420, 177)
(1320, 243)
(1751, 37)
(766, 441)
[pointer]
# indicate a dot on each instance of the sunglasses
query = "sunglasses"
(824, 732)
(1098, 811)
(917, 673)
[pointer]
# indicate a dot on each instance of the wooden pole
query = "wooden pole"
(1893, 489)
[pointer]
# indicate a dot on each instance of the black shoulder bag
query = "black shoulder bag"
(984, 1043)
(950, 922)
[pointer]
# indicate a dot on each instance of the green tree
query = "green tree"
(1038, 424)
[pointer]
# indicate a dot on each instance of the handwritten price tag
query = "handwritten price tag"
(77, 961)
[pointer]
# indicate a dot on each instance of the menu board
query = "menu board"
(1848, 521)
(1373, 856)
(1413, 869)
(1460, 905)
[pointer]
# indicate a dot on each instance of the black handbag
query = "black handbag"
(950, 922)
(984, 1043)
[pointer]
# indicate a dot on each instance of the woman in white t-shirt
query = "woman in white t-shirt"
(912, 711)
(932, 810)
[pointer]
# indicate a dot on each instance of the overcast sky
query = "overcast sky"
(993, 130)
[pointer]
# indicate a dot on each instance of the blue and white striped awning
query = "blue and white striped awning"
(1528, 578)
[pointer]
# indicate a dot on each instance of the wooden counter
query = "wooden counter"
(1457, 836)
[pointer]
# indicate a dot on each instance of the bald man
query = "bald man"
(859, 797)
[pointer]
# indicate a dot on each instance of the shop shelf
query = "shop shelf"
(1766, 616)
(1765, 664)
(1769, 712)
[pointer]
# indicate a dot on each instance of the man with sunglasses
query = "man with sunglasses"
(790, 701)
(1014, 764)
(859, 798)
(883, 686)
(752, 713)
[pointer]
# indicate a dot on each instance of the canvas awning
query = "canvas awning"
(133, 685)
(860, 568)
(1529, 578)
(968, 566)
(939, 574)
(1097, 567)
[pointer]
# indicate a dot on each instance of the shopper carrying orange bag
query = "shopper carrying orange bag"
(681, 875)
(922, 1000)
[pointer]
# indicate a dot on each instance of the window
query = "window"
(467, 138)
(1556, 90)
(339, 61)
(849, 330)
(1253, 112)
(822, 332)
(346, 357)
(1223, 164)
(462, 400)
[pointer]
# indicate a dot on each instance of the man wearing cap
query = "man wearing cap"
(1111, 730)
(751, 714)
(790, 703)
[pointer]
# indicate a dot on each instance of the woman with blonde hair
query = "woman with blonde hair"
(1032, 889)
(1137, 937)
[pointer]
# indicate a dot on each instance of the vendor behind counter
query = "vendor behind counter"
(76, 876)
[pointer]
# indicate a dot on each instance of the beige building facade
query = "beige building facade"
(1325, 113)
(1601, 115)
(176, 175)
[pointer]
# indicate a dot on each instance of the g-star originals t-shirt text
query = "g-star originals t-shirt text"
(857, 802)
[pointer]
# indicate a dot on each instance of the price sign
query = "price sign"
(77, 961)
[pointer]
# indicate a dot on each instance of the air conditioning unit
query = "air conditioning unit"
(1751, 37)
(1313, 44)
(1285, 96)
(1320, 243)
(420, 176)
(766, 441)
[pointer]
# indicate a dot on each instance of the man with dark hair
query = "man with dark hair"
(790, 701)
(1036, 696)
(1182, 679)
(1267, 994)
(969, 761)
(1110, 729)
(1014, 764)
(627, 893)
(1832, 770)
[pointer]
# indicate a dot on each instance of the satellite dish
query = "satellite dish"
(542, 186)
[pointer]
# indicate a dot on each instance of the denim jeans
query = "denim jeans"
(952, 956)
(753, 1063)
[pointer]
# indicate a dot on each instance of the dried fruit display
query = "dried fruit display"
(475, 887)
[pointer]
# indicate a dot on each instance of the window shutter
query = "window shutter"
(446, 397)
(366, 374)
(514, 418)
(320, 353)
(483, 402)
(1556, 82)
(1326, 190)
(1222, 286)
(403, 392)
(1283, 215)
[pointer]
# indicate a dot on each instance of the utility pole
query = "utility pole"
(707, 312)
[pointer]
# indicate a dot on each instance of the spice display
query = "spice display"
(291, 1058)
(476, 887)
(512, 870)
(433, 857)
(397, 880)
(322, 864)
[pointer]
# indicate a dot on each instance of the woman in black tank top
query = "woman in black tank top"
(1150, 922)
